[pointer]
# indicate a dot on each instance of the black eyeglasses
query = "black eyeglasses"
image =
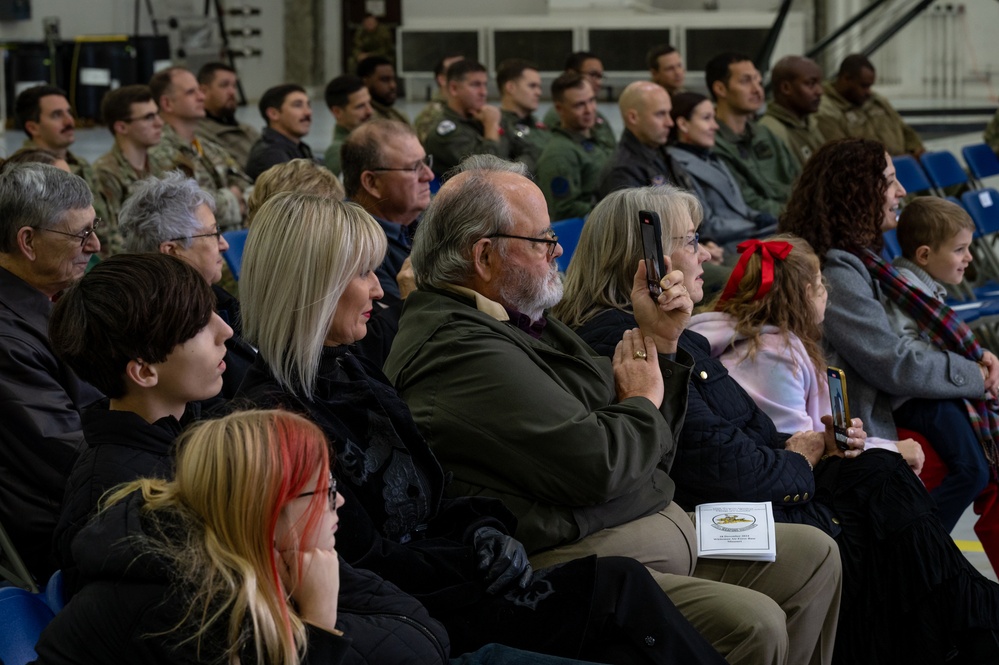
(82, 237)
(551, 240)
(331, 493)
(427, 161)
(217, 234)
(149, 117)
(691, 241)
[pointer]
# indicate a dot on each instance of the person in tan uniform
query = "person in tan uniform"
(218, 82)
(378, 74)
(797, 86)
(851, 108)
(182, 105)
(131, 117)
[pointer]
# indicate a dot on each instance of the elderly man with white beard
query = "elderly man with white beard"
(518, 407)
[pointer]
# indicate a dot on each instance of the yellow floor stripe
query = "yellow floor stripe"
(969, 546)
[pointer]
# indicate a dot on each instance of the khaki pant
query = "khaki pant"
(752, 612)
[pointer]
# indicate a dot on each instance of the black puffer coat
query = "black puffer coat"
(127, 613)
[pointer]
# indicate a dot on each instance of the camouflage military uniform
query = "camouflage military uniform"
(388, 112)
(81, 167)
(429, 117)
(455, 138)
(991, 135)
(332, 155)
(214, 169)
(602, 133)
(569, 173)
(527, 138)
(802, 137)
(236, 137)
(116, 178)
(761, 164)
(876, 120)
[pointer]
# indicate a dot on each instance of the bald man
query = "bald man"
(797, 86)
(640, 158)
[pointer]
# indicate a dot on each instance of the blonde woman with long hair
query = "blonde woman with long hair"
(234, 561)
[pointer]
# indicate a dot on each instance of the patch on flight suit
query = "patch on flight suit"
(522, 130)
(445, 127)
(588, 145)
(560, 187)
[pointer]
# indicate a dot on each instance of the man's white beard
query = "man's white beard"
(531, 297)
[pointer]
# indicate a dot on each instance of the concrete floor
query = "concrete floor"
(93, 142)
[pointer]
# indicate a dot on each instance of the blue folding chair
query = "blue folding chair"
(23, 617)
(981, 160)
(911, 174)
(891, 249)
(55, 596)
(943, 170)
(568, 232)
(234, 255)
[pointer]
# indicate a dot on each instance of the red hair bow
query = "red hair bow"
(769, 250)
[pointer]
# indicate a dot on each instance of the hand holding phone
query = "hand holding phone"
(839, 406)
(652, 247)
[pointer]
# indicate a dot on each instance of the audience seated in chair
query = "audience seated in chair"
(584, 465)
(162, 347)
(729, 450)
(850, 108)
(47, 237)
(174, 216)
(846, 198)
(761, 163)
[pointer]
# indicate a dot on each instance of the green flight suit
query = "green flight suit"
(332, 155)
(569, 173)
(457, 137)
(602, 132)
(761, 164)
(802, 137)
(876, 120)
(527, 138)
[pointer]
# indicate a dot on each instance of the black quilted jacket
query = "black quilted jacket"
(729, 449)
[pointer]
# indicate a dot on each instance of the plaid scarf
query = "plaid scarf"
(947, 332)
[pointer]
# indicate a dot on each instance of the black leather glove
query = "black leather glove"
(503, 558)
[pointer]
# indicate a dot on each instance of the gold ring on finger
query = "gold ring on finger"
(640, 354)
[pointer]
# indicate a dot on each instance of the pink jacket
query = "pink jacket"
(780, 378)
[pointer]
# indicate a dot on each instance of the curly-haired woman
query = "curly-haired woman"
(845, 199)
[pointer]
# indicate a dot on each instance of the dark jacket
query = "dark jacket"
(729, 449)
(40, 431)
(134, 596)
(400, 244)
(396, 522)
(239, 355)
(274, 148)
(121, 446)
(635, 164)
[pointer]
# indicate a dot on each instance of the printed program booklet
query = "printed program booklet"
(736, 530)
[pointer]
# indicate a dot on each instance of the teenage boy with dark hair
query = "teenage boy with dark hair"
(142, 328)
